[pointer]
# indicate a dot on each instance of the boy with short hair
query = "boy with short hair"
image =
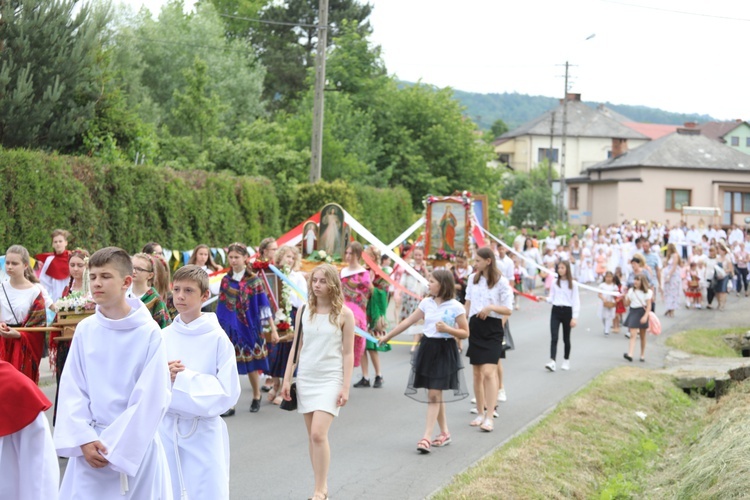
(205, 384)
(114, 392)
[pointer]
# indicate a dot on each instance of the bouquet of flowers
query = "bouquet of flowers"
(76, 302)
(322, 256)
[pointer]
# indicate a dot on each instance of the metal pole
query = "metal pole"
(562, 148)
(318, 107)
(549, 152)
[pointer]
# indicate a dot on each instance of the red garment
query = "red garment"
(58, 269)
(20, 400)
(25, 353)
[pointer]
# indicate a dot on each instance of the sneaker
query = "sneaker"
(565, 364)
(473, 401)
(378, 382)
(474, 411)
(501, 396)
(699, 306)
(551, 366)
(627, 334)
(363, 382)
(495, 414)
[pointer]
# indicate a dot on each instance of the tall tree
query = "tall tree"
(48, 71)
(288, 50)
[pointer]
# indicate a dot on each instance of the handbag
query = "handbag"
(653, 323)
(291, 405)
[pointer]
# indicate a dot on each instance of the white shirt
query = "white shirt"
(736, 236)
(446, 312)
(551, 243)
(481, 296)
(639, 299)
(20, 300)
(563, 295)
(506, 266)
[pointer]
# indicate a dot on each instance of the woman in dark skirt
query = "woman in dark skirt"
(488, 298)
(639, 299)
(436, 365)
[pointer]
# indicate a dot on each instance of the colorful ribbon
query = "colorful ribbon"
(379, 271)
(407, 233)
(303, 295)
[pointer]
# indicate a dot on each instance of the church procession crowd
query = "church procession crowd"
(150, 375)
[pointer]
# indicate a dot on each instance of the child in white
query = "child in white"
(205, 385)
(114, 392)
(607, 301)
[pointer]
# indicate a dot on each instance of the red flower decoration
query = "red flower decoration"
(261, 265)
(283, 326)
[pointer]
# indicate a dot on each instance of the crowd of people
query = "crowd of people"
(159, 432)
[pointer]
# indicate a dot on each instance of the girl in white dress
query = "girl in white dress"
(324, 369)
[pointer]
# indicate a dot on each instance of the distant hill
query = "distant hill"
(515, 109)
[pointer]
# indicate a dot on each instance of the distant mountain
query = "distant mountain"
(515, 109)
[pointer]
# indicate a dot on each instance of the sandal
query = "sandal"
(488, 425)
(477, 421)
(423, 446)
(442, 439)
(271, 396)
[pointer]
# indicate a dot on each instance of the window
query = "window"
(736, 202)
(573, 198)
(546, 153)
(747, 142)
(676, 199)
(735, 141)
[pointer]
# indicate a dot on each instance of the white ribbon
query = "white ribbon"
(526, 259)
(363, 232)
(407, 233)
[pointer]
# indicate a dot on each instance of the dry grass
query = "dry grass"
(592, 445)
(715, 463)
(705, 342)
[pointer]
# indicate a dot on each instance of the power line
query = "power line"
(264, 21)
(687, 13)
(197, 46)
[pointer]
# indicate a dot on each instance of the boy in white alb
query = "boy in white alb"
(28, 462)
(114, 392)
(205, 384)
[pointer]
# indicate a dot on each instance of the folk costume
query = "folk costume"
(285, 317)
(356, 286)
(376, 310)
(115, 389)
(243, 312)
(19, 308)
(55, 272)
(195, 437)
(157, 307)
(28, 463)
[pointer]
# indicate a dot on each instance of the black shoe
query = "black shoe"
(363, 382)
(629, 358)
(266, 388)
(378, 382)
(228, 413)
(255, 406)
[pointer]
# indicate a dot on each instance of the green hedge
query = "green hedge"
(127, 205)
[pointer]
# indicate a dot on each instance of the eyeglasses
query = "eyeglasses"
(141, 270)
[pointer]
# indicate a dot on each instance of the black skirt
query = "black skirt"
(436, 365)
(485, 340)
(633, 320)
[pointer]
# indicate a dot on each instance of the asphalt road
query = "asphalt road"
(373, 442)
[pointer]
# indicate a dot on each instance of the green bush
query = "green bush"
(385, 212)
(127, 205)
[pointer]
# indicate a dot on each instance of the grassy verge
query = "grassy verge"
(592, 445)
(714, 462)
(705, 342)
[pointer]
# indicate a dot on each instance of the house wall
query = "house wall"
(743, 134)
(646, 200)
(581, 152)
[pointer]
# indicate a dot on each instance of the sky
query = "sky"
(684, 56)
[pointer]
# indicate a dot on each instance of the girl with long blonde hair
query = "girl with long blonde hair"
(325, 328)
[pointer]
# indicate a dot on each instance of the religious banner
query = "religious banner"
(448, 226)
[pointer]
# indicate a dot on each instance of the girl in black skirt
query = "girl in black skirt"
(489, 297)
(436, 364)
(639, 299)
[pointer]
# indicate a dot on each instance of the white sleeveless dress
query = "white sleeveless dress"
(320, 371)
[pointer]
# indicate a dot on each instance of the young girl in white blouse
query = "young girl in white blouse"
(566, 305)
(436, 366)
(639, 299)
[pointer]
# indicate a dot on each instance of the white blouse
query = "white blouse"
(481, 296)
(20, 301)
(563, 295)
(446, 312)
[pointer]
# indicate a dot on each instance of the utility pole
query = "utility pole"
(549, 151)
(320, 82)
(562, 148)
